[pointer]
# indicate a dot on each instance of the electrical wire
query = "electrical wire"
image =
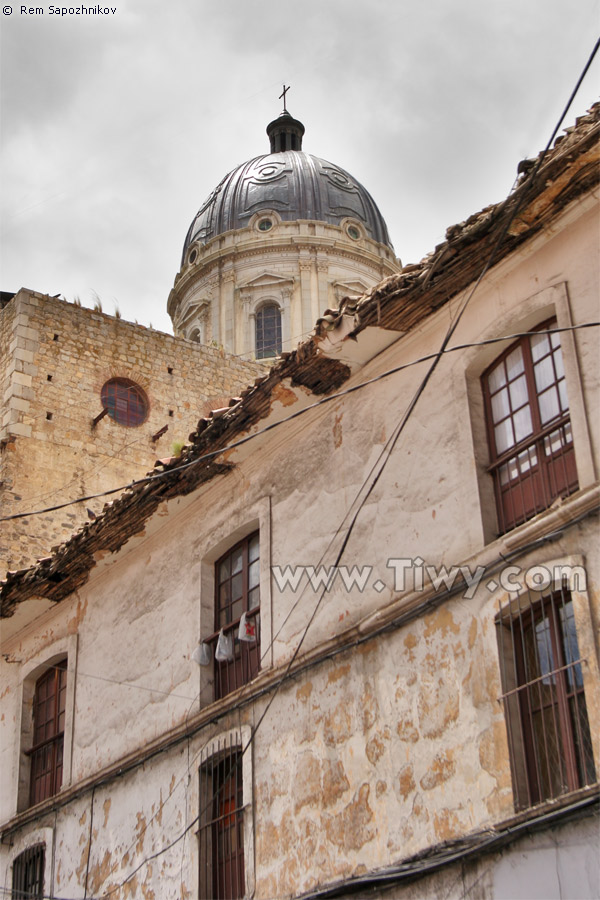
(290, 340)
(330, 398)
(128, 684)
(398, 622)
(298, 600)
(89, 849)
(85, 474)
(384, 457)
(391, 444)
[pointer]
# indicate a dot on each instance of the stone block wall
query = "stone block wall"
(54, 359)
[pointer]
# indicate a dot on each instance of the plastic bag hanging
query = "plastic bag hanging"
(247, 631)
(202, 655)
(224, 651)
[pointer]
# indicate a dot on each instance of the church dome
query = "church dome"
(290, 182)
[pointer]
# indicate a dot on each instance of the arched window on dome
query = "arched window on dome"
(268, 331)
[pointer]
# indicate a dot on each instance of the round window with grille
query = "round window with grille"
(125, 402)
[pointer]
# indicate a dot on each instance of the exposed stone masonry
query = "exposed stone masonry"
(55, 358)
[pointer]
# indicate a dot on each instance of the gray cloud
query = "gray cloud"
(115, 130)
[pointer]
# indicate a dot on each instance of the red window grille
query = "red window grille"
(549, 737)
(28, 874)
(221, 831)
(49, 703)
(268, 332)
(529, 428)
(237, 591)
(125, 401)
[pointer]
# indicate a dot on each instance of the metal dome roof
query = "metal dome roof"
(293, 183)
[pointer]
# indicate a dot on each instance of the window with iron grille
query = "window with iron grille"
(544, 702)
(237, 591)
(529, 428)
(221, 820)
(125, 401)
(28, 874)
(268, 331)
(49, 703)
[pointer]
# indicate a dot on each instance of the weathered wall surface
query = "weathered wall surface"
(55, 359)
(389, 741)
(558, 864)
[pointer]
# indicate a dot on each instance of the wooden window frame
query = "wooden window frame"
(531, 473)
(28, 873)
(544, 697)
(221, 837)
(47, 751)
(232, 674)
(126, 402)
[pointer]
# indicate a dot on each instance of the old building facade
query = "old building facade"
(61, 366)
(347, 642)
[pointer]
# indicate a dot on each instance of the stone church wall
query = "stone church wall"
(55, 358)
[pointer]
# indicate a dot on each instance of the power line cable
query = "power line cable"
(439, 597)
(385, 455)
(128, 684)
(330, 397)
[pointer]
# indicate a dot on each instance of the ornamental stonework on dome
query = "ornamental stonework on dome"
(289, 215)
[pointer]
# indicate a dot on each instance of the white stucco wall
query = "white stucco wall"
(385, 749)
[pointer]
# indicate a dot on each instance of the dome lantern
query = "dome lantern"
(285, 133)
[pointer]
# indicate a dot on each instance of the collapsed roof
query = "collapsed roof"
(546, 186)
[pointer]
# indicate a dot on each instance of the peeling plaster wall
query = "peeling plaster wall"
(390, 747)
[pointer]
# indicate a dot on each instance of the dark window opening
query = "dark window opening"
(55, 338)
(49, 703)
(125, 401)
(268, 332)
(48, 377)
(221, 831)
(48, 416)
(529, 428)
(28, 874)
(237, 591)
(170, 370)
(549, 737)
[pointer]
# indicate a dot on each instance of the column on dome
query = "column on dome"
(320, 301)
(287, 333)
(249, 324)
(215, 312)
(228, 339)
(306, 321)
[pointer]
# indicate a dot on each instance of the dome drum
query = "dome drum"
(288, 229)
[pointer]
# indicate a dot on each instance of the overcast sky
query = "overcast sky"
(116, 127)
